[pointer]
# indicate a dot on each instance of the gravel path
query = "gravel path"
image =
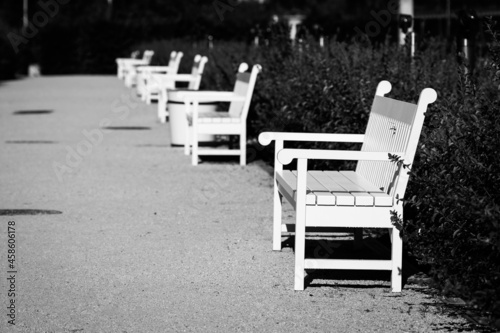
(148, 243)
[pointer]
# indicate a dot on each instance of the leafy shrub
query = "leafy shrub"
(452, 211)
(454, 220)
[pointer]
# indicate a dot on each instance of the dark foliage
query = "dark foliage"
(452, 208)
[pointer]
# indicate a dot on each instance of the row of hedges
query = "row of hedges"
(452, 210)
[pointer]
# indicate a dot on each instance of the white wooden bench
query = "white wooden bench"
(126, 64)
(136, 72)
(363, 198)
(146, 85)
(120, 62)
(231, 122)
(165, 82)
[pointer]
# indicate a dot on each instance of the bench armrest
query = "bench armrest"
(210, 96)
(135, 63)
(155, 69)
(161, 78)
(131, 61)
(265, 138)
(285, 156)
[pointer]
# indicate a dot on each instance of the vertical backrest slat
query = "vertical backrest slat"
(393, 126)
(240, 88)
(148, 55)
(197, 71)
(171, 60)
(388, 129)
(244, 86)
(175, 63)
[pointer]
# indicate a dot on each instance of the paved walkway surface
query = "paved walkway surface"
(146, 242)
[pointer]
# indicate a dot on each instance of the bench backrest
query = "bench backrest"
(393, 126)
(148, 55)
(175, 61)
(244, 86)
(197, 71)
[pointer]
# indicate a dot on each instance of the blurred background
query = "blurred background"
(321, 63)
(75, 36)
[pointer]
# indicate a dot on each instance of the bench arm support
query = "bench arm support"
(285, 156)
(265, 138)
(210, 96)
(176, 77)
(154, 69)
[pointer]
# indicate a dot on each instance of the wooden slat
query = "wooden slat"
(323, 196)
(326, 181)
(363, 199)
(382, 199)
(360, 217)
(216, 152)
(322, 189)
(290, 179)
(312, 183)
(348, 185)
(348, 264)
(243, 77)
(342, 196)
(361, 181)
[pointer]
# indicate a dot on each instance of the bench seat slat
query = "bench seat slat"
(361, 181)
(341, 196)
(291, 186)
(326, 181)
(323, 189)
(382, 199)
(323, 196)
(340, 179)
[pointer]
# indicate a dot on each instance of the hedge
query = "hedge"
(452, 209)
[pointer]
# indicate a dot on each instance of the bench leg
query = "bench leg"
(162, 110)
(397, 260)
(194, 149)
(300, 244)
(187, 140)
(300, 225)
(277, 218)
(139, 85)
(243, 148)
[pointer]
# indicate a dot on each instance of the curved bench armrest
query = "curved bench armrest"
(134, 62)
(154, 69)
(285, 156)
(164, 78)
(265, 138)
(210, 96)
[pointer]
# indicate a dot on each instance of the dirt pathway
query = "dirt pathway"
(148, 243)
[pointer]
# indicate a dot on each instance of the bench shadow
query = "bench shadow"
(342, 247)
(14, 212)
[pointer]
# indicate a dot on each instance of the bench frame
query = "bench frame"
(316, 214)
(232, 122)
(167, 82)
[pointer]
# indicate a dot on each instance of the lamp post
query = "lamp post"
(405, 20)
(468, 24)
(406, 25)
(25, 14)
(109, 9)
